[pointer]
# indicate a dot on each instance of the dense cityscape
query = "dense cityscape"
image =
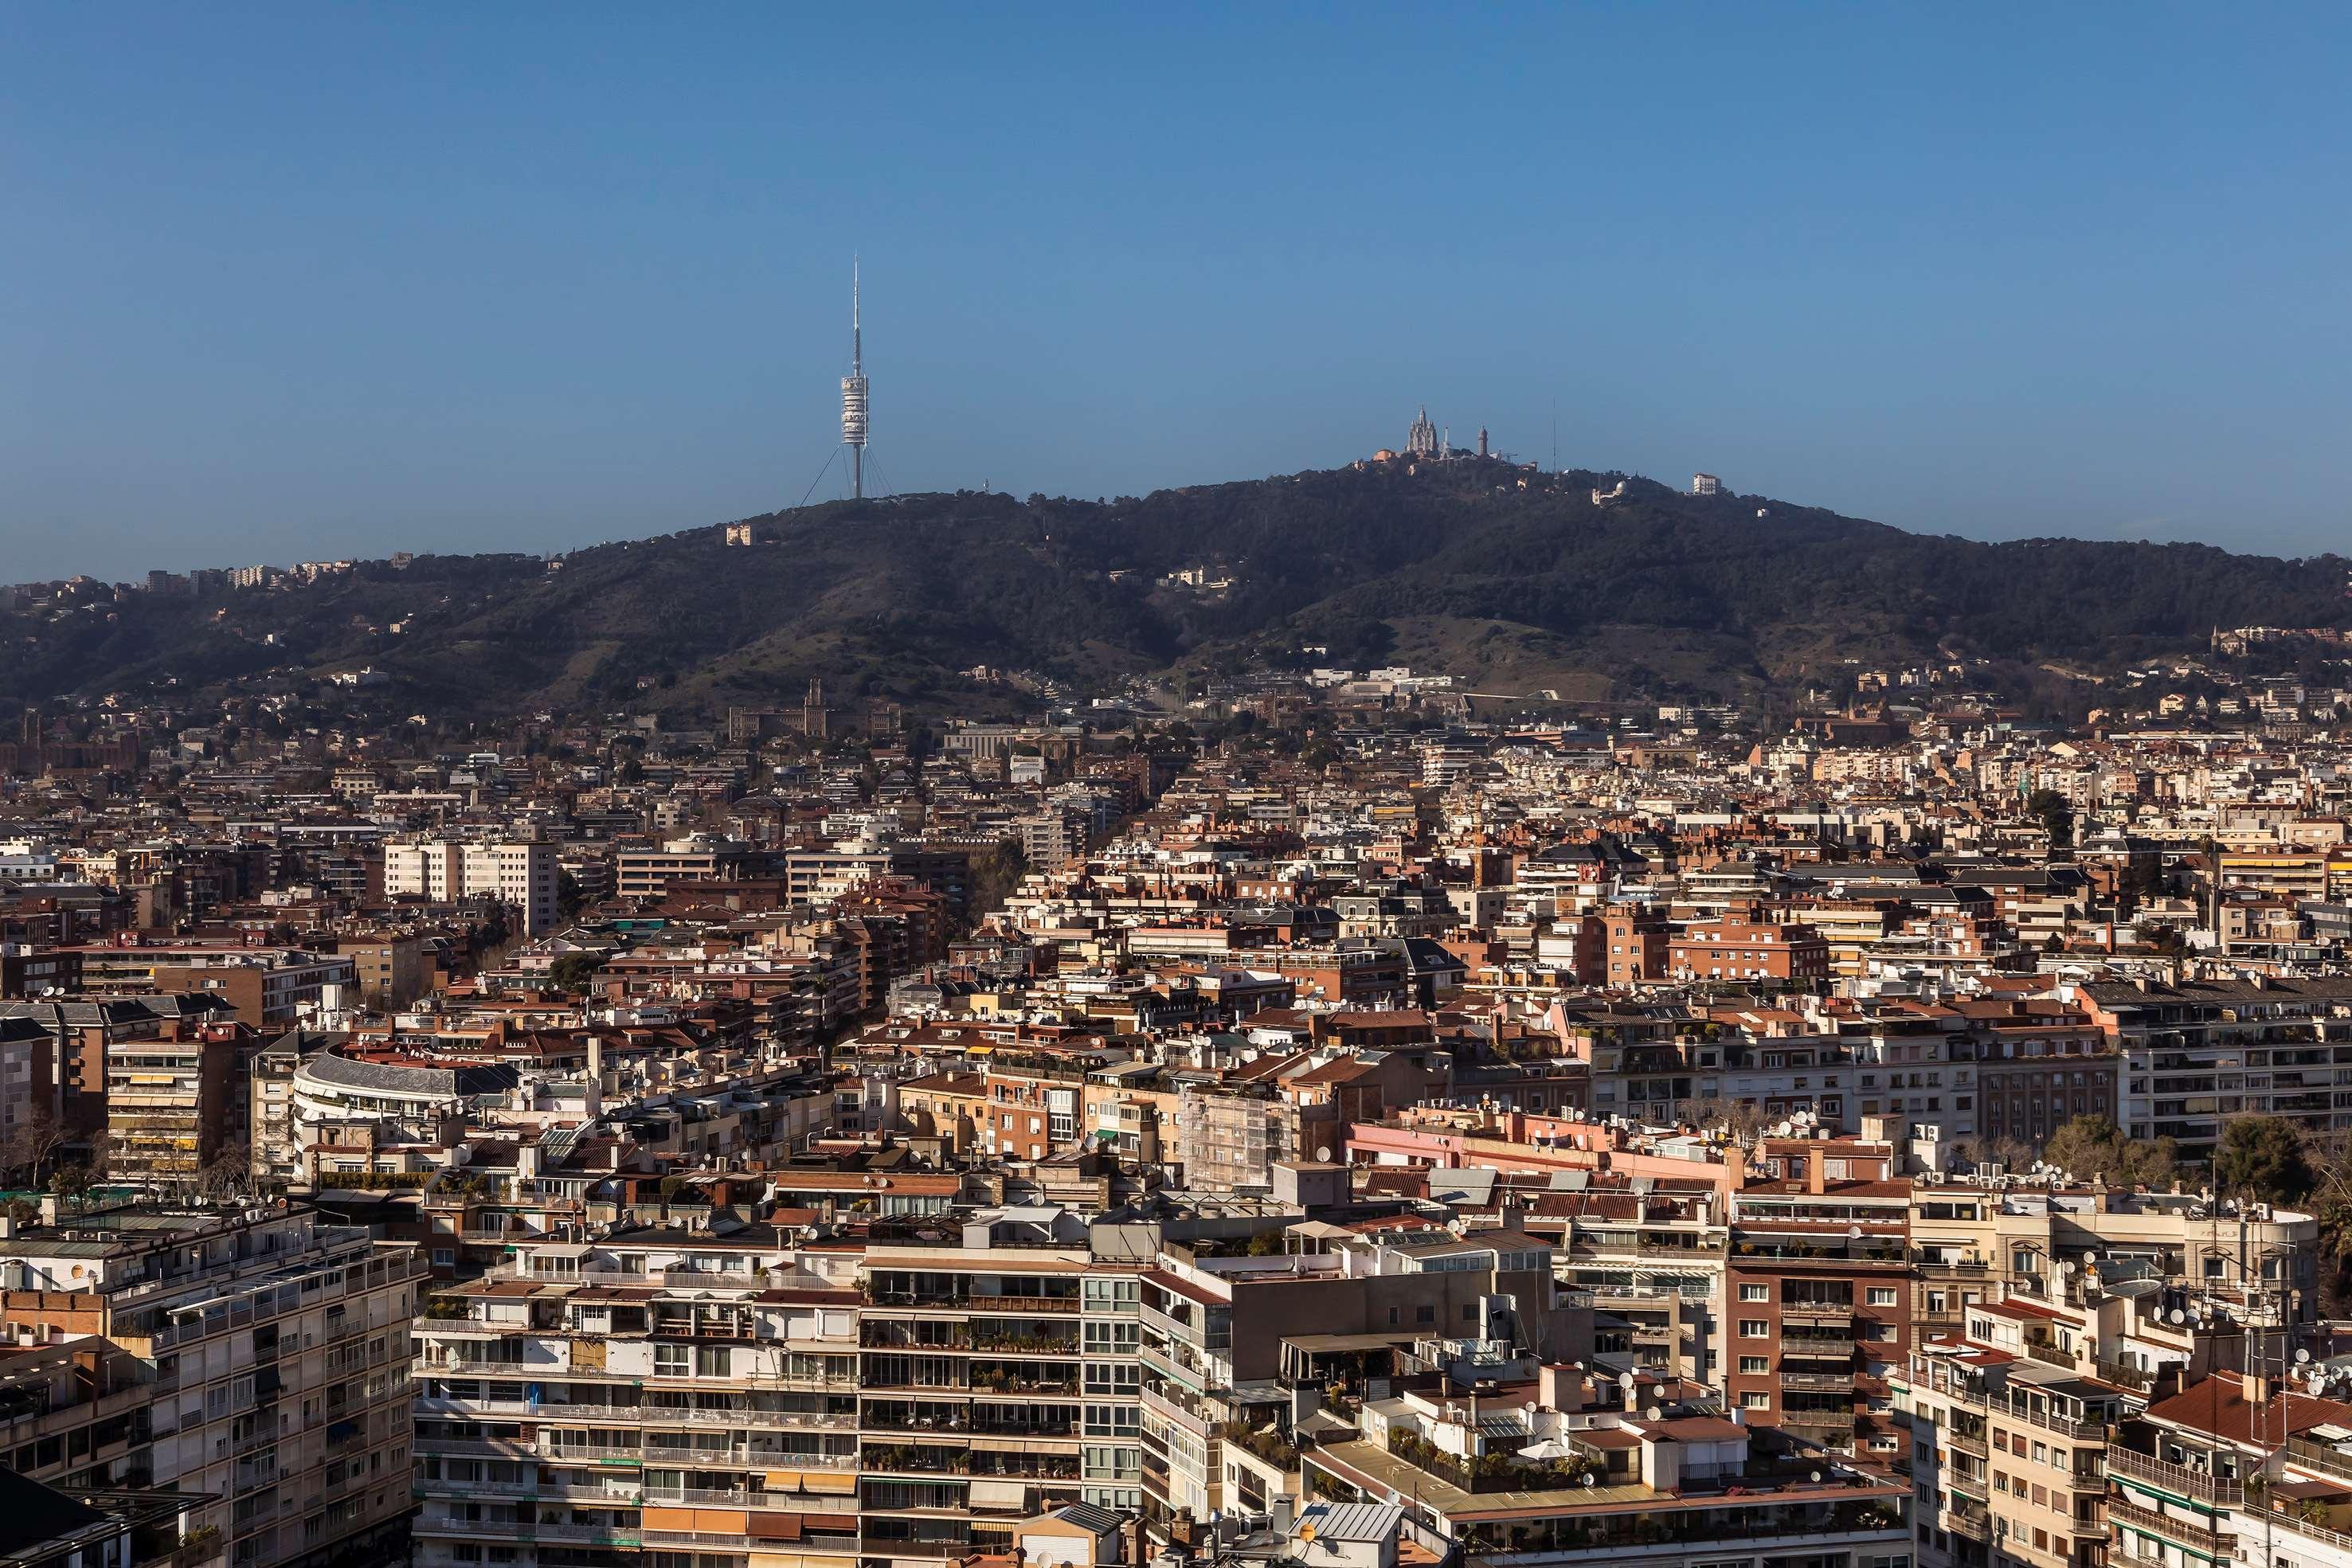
(1333, 1115)
(1562, 787)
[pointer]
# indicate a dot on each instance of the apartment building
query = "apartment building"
(259, 1357)
(1554, 1466)
(519, 874)
(2009, 1448)
(908, 1390)
(1981, 1240)
(172, 1100)
(2236, 1468)
(999, 1378)
(1217, 1331)
(28, 1085)
(83, 1032)
(2197, 1053)
(1653, 1254)
(266, 988)
(391, 971)
(816, 876)
(1819, 1297)
(1742, 944)
(582, 1404)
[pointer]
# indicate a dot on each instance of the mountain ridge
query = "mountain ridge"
(1504, 574)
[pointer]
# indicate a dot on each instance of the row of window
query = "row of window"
(1756, 1290)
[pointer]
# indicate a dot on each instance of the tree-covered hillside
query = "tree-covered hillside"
(895, 597)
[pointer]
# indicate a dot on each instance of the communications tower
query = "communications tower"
(853, 394)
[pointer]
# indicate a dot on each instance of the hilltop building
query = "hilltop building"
(1420, 441)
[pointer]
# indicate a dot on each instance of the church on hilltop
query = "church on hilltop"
(1420, 441)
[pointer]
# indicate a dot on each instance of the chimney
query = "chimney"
(2256, 1387)
(1560, 1389)
(1816, 1166)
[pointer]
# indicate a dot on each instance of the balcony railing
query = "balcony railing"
(1827, 1421)
(1022, 1303)
(1950, 1265)
(2064, 1425)
(2277, 1520)
(2319, 1457)
(516, 1529)
(1815, 1312)
(1818, 1382)
(2181, 1481)
(2124, 1377)
(2205, 1542)
(741, 1497)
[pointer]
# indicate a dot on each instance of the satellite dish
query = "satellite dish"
(1585, 1479)
(2090, 1260)
(1854, 1233)
(1323, 1153)
(1654, 1413)
(2175, 1315)
(1307, 1532)
(1817, 1475)
(2067, 1269)
(2301, 1356)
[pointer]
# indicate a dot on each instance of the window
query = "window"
(1112, 1295)
(1754, 1365)
(669, 1360)
(1114, 1421)
(1755, 1328)
(1424, 1314)
(712, 1361)
(1113, 1377)
(1881, 1296)
(1113, 1338)
(1109, 1464)
(1756, 1399)
(1755, 1293)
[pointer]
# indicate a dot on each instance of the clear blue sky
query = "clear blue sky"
(315, 280)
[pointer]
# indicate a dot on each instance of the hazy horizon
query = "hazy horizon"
(305, 284)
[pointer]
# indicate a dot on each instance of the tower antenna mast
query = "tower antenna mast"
(852, 394)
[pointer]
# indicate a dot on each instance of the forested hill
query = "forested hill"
(1514, 580)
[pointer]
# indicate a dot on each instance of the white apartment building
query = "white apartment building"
(266, 1358)
(520, 874)
(777, 1398)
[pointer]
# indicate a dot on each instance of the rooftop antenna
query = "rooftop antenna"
(853, 394)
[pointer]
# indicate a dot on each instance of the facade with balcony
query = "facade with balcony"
(258, 1359)
(2007, 1453)
(1818, 1312)
(771, 1398)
